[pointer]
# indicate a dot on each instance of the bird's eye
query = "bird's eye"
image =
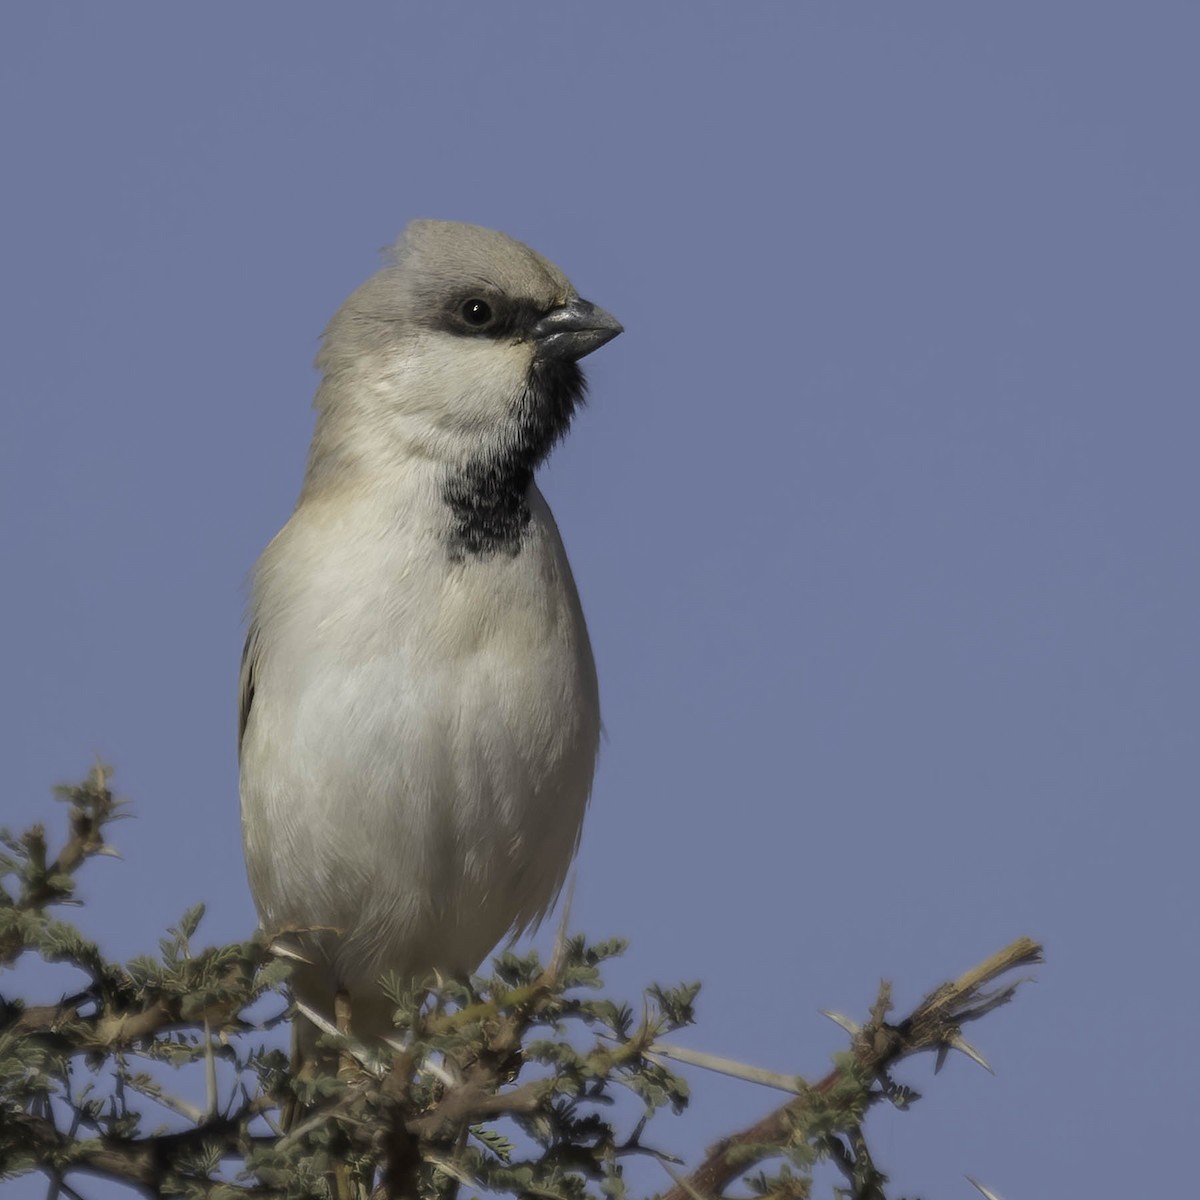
(476, 312)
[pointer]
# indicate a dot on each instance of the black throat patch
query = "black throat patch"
(489, 496)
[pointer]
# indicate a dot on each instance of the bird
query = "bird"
(419, 714)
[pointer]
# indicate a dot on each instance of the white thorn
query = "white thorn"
(961, 1044)
(325, 1026)
(439, 1072)
(853, 1028)
(979, 1186)
(183, 1107)
(283, 951)
(210, 1071)
(725, 1066)
(349, 1044)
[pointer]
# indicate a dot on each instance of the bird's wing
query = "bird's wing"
(246, 682)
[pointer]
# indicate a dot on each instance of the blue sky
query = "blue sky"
(883, 509)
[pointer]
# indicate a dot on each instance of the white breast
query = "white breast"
(421, 743)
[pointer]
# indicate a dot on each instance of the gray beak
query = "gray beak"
(575, 329)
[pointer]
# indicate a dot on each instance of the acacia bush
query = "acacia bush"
(503, 1084)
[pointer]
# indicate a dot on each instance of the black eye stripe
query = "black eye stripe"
(505, 318)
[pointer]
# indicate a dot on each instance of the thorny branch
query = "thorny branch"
(935, 1024)
(533, 1048)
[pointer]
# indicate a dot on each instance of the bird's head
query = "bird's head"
(464, 348)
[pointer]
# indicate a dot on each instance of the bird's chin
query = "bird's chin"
(554, 390)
